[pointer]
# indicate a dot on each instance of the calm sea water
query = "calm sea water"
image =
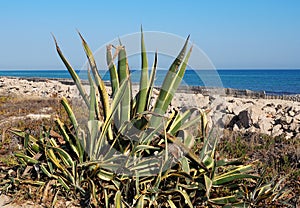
(272, 81)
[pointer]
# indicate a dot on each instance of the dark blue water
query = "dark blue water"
(272, 81)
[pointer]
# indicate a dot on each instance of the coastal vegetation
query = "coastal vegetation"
(139, 151)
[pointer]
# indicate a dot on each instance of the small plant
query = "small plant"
(132, 153)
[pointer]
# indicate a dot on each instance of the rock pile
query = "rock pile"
(35, 87)
(267, 116)
(271, 117)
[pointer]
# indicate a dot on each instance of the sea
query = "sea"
(278, 82)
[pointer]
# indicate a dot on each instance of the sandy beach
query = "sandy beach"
(237, 111)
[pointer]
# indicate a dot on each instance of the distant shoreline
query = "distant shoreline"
(272, 82)
(238, 93)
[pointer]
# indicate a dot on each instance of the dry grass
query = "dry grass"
(277, 156)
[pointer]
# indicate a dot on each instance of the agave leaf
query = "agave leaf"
(140, 203)
(26, 158)
(151, 81)
(98, 79)
(106, 198)
(76, 149)
(44, 169)
(189, 153)
(142, 97)
(201, 119)
(105, 175)
(63, 183)
(137, 183)
(225, 200)
(186, 138)
(186, 197)
(209, 148)
(185, 164)
(208, 185)
(54, 200)
(73, 74)
(171, 203)
(145, 147)
(237, 205)
(22, 134)
(50, 154)
(118, 201)
(144, 164)
(116, 101)
(225, 162)
(114, 79)
(70, 113)
(100, 84)
(64, 155)
(170, 84)
(176, 81)
(229, 178)
(93, 112)
(181, 123)
(94, 129)
(239, 169)
(123, 72)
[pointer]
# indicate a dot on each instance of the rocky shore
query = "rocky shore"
(238, 110)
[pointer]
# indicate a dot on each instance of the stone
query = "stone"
(232, 122)
(285, 127)
(226, 119)
(291, 113)
(288, 135)
(277, 130)
(265, 125)
(294, 126)
(230, 107)
(255, 114)
(297, 117)
(244, 119)
(270, 110)
(235, 127)
(285, 120)
(239, 108)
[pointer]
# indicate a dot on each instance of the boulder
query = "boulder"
(265, 125)
(244, 119)
(239, 108)
(255, 114)
(226, 119)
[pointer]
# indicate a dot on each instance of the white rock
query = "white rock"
(277, 130)
(291, 113)
(289, 135)
(226, 119)
(235, 127)
(270, 110)
(265, 125)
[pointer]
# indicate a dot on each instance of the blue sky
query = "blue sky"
(233, 33)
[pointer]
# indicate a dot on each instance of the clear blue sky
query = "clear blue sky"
(233, 33)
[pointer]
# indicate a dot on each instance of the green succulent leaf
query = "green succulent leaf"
(142, 96)
(73, 74)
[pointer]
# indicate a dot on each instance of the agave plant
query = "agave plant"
(133, 153)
